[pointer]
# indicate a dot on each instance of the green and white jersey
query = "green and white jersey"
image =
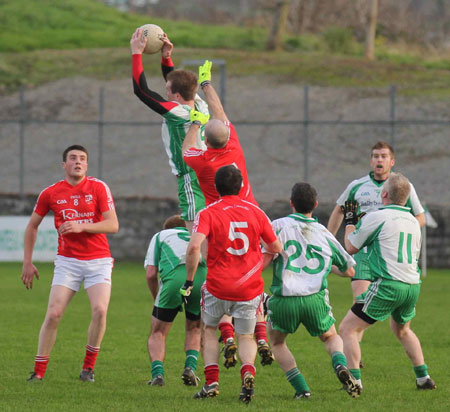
(393, 238)
(309, 250)
(175, 126)
(367, 191)
(167, 250)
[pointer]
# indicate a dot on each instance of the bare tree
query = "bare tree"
(371, 30)
(280, 15)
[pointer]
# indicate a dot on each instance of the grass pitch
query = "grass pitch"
(123, 368)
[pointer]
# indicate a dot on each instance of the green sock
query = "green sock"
(297, 380)
(421, 371)
(338, 358)
(356, 373)
(157, 368)
(191, 359)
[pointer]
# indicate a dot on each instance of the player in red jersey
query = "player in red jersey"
(84, 212)
(222, 142)
(234, 286)
(223, 148)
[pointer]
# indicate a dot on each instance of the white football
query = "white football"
(154, 34)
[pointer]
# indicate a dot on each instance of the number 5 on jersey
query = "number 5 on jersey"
(233, 235)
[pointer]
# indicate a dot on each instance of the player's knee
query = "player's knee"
(193, 326)
(53, 316)
(157, 334)
(344, 330)
(99, 312)
(400, 333)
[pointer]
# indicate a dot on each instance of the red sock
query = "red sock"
(247, 367)
(211, 373)
(226, 330)
(260, 331)
(91, 357)
(40, 365)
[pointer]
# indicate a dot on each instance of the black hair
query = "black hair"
(303, 197)
(228, 180)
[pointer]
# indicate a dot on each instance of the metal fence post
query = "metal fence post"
(392, 93)
(305, 131)
(100, 131)
(22, 141)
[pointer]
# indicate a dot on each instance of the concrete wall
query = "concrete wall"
(140, 218)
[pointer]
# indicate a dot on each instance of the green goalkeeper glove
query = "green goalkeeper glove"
(198, 118)
(350, 210)
(186, 290)
(204, 73)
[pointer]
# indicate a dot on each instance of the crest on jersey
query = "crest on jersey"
(88, 199)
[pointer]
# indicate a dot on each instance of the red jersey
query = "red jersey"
(234, 228)
(84, 203)
(206, 163)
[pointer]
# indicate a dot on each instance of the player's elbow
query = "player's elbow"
(350, 272)
(350, 248)
(193, 249)
(421, 219)
(136, 89)
(152, 273)
(113, 226)
(116, 227)
(274, 247)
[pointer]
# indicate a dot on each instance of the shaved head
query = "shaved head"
(217, 133)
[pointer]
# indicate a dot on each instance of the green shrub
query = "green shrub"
(305, 42)
(339, 40)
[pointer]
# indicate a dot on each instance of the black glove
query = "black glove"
(186, 290)
(350, 210)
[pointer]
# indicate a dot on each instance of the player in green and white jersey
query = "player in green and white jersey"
(367, 192)
(167, 255)
(182, 97)
(393, 238)
(299, 287)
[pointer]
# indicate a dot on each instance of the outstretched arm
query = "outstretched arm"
(152, 99)
(166, 56)
(214, 104)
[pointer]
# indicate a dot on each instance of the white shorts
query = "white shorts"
(71, 272)
(243, 312)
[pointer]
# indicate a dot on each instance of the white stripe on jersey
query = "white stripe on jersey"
(192, 153)
(249, 274)
(108, 192)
